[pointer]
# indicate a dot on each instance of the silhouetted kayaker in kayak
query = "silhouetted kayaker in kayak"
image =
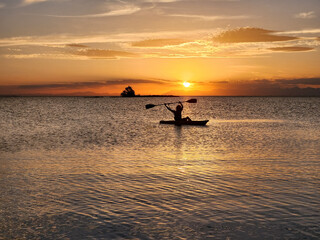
(177, 113)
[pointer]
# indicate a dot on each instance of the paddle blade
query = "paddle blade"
(192, 100)
(150, 106)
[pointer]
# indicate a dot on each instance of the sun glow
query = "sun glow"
(186, 84)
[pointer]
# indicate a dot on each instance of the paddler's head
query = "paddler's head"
(178, 108)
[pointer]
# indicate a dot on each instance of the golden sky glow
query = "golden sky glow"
(221, 47)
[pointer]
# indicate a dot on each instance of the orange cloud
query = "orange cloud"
(242, 35)
(28, 2)
(76, 45)
(159, 42)
(117, 12)
(305, 15)
(291, 49)
(108, 54)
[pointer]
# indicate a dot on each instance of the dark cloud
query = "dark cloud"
(101, 53)
(241, 35)
(159, 42)
(47, 88)
(264, 87)
(220, 82)
(291, 49)
(295, 92)
(77, 45)
(96, 84)
(300, 81)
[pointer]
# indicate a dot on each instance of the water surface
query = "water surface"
(103, 168)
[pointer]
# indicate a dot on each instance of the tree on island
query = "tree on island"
(128, 92)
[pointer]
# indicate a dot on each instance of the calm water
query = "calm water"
(103, 168)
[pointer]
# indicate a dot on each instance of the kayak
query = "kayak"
(179, 123)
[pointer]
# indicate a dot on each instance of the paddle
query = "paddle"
(188, 101)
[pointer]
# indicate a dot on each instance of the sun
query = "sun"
(186, 84)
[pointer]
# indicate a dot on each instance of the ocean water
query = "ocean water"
(104, 168)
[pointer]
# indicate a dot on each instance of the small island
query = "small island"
(129, 92)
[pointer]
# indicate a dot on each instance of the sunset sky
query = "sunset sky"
(221, 47)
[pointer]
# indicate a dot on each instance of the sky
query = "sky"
(99, 47)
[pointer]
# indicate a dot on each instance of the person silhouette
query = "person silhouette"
(178, 113)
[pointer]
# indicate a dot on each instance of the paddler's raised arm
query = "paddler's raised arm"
(181, 105)
(168, 108)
